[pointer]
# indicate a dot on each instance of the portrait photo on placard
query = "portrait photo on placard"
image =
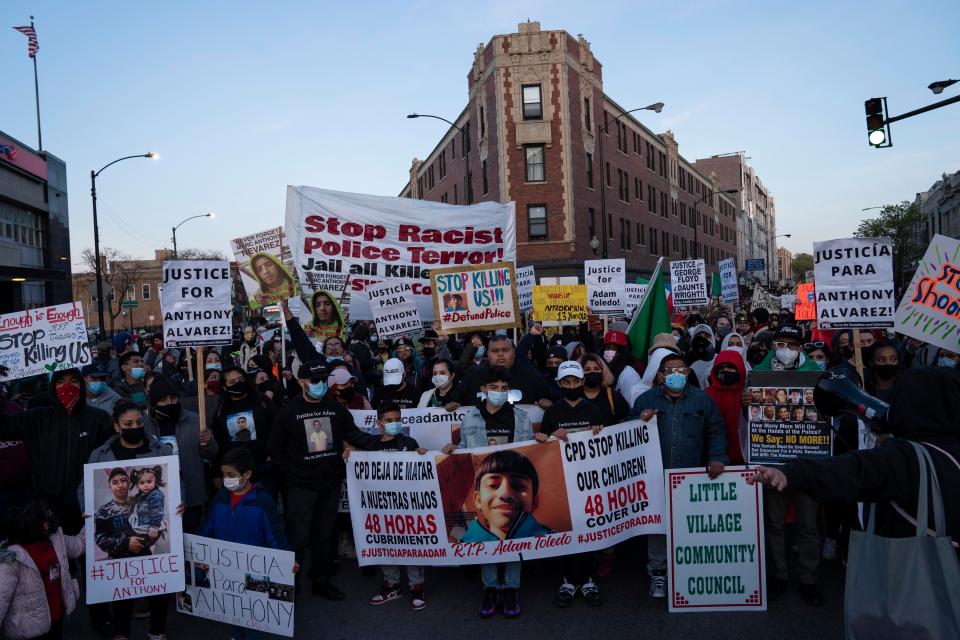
(132, 502)
(241, 426)
(319, 434)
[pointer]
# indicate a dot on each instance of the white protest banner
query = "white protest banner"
(582, 495)
(432, 427)
(374, 238)
(930, 308)
(136, 546)
(41, 341)
(195, 303)
(729, 293)
(394, 311)
(688, 282)
(606, 281)
(238, 584)
(854, 283)
(266, 268)
(715, 541)
(635, 293)
(525, 281)
(480, 298)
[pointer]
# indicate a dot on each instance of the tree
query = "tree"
(120, 272)
(200, 254)
(802, 262)
(897, 222)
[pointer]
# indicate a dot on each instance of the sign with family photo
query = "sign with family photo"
(136, 549)
(783, 420)
(241, 426)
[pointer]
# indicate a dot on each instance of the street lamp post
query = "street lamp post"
(202, 215)
(656, 107)
(696, 217)
(463, 150)
(96, 230)
(769, 258)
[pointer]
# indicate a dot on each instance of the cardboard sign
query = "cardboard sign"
(930, 308)
(266, 268)
(763, 300)
(783, 420)
(635, 293)
(475, 298)
(394, 311)
(715, 549)
(41, 341)
(560, 303)
(806, 305)
(854, 279)
(583, 495)
(133, 499)
(238, 584)
(195, 303)
(729, 292)
(606, 281)
(525, 281)
(688, 280)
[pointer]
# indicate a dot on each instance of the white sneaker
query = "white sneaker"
(658, 586)
(829, 549)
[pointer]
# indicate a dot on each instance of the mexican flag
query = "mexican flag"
(652, 316)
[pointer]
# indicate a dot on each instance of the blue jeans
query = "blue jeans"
(511, 575)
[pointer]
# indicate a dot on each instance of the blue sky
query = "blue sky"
(243, 98)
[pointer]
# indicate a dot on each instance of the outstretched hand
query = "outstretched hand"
(769, 477)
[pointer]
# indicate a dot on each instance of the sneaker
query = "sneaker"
(511, 602)
(565, 595)
(417, 601)
(776, 588)
(811, 595)
(658, 586)
(387, 593)
(591, 593)
(829, 549)
(491, 600)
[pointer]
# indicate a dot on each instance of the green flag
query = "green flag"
(715, 288)
(652, 316)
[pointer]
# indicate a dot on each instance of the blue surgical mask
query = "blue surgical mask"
(675, 381)
(822, 364)
(497, 398)
(332, 359)
(944, 361)
(392, 428)
(137, 373)
(97, 387)
(214, 366)
(481, 351)
(317, 390)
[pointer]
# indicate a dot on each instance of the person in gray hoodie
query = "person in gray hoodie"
(99, 393)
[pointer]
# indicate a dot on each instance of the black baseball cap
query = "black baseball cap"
(429, 334)
(313, 369)
(403, 342)
(94, 370)
(789, 331)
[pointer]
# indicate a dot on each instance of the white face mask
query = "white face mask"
(609, 355)
(787, 356)
(735, 348)
(232, 484)
(440, 381)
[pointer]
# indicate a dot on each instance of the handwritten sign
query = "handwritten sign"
(729, 294)
(806, 305)
(483, 297)
(394, 310)
(854, 279)
(688, 280)
(41, 341)
(195, 302)
(525, 281)
(606, 281)
(242, 585)
(930, 308)
(561, 303)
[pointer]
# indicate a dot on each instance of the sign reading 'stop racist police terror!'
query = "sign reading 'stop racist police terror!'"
(195, 302)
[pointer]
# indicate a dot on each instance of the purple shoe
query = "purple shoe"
(511, 603)
(491, 599)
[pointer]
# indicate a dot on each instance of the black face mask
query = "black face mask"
(571, 394)
(347, 393)
(167, 413)
(728, 378)
(132, 436)
(236, 390)
(593, 379)
(429, 352)
(703, 350)
(886, 371)
(755, 356)
(263, 386)
(552, 372)
(847, 352)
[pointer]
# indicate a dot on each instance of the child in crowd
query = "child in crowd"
(36, 590)
(147, 517)
(393, 439)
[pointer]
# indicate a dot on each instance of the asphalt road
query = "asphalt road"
(628, 612)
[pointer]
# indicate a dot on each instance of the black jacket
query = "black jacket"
(526, 379)
(264, 414)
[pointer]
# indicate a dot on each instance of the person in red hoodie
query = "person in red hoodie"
(727, 380)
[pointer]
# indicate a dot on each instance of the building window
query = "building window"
(683, 214)
(443, 197)
(469, 188)
(486, 186)
(636, 143)
(608, 174)
(665, 241)
(639, 234)
(534, 163)
(453, 148)
(466, 139)
(610, 226)
(443, 164)
(683, 247)
(663, 205)
(650, 158)
(636, 188)
(676, 243)
(131, 293)
(483, 126)
(532, 102)
(621, 136)
(663, 164)
(590, 170)
(537, 221)
(651, 199)
(145, 291)
(430, 178)
(626, 232)
(653, 241)
(623, 236)
(592, 229)
(586, 114)
(455, 198)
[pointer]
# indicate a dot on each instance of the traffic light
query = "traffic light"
(877, 133)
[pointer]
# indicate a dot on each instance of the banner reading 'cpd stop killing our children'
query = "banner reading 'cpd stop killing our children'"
(376, 238)
(501, 503)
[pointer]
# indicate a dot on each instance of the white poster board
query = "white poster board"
(195, 303)
(606, 281)
(688, 282)
(525, 281)
(394, 311)
(854, 279)
(41, 341)
(729, 294)
(635, 294)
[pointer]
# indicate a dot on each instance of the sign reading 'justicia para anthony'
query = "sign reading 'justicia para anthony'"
(854, 279)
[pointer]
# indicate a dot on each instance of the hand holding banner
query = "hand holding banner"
(41, 341)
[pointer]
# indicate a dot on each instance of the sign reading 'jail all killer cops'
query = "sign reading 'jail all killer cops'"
(606, 282)
(854, 279)
(195, 302)
(688, 282)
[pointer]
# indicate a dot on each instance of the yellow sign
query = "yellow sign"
(560, 303)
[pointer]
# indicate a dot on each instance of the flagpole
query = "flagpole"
(36, 91)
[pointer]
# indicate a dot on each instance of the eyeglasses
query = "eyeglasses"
(669, 370)
(817, 344)
(786, 345)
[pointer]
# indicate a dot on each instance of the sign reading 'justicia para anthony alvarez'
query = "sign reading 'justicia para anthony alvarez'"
(854, 279)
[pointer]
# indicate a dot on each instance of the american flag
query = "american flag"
(33, 45)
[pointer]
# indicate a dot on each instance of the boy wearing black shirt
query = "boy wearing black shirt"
(395, 389)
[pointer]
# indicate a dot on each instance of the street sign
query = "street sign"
(754, 264)
(130, 304)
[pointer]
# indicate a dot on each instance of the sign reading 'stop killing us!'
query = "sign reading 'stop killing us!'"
(195, 302)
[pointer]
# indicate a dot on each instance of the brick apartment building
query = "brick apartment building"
(539, 130)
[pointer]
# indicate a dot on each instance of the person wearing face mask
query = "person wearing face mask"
(472, 356)
(819, 352)
(133, 372)
(727, 381)
(883, 373)
(59, 437)
(169, 422)
(249, 345)
(396, 390)
(130, 440)
(433, 347)
(99, 393)
(735, 342)
(701, 355)
(616, 353)
(314, 475)
(947, 358)
(787, 354)
(122, 344)
(343, 386)
(692, 434)
(757, 352)
(525, 379)
(723, 327)
(598, 389)
(444, 392)
(842, 349)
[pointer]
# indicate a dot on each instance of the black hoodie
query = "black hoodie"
(59, 445)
